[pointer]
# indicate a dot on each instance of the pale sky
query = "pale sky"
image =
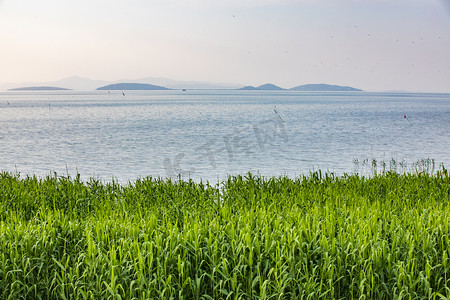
(375, 45)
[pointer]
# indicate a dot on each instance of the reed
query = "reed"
(319, 236)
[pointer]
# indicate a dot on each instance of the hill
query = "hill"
(39, 88)
(132, 86)
(323, 88)
(80, 83)
(248, 88)
(174, 84)
(264, 87)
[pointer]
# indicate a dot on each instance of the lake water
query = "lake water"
(211, 134)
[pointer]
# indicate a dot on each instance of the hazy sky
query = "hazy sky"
(372, 44)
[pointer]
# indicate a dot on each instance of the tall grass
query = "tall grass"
(319, 236)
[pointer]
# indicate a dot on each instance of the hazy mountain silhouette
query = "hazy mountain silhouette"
(264, 87)
(323, 88)
(175, 84)
(73, 83)
(132, 86)
(80, 83)
(39, 88)
(248, 88)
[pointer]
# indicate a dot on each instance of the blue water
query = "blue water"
(211, 134)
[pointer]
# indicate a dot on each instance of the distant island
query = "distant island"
(132, 86)
(39, 88)
(306, 87)
(77, 83)
(324, 88)
(264, 87)
(155, 83)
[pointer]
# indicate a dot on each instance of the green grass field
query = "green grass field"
(319, 236)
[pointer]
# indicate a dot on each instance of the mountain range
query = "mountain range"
(80, 83)
(39, 88)
(306, 88)
(152, 83)
(132, 86)
(324, 87)
(264, 87)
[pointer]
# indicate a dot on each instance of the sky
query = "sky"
(375, 45)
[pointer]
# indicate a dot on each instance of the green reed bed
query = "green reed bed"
(316, 237)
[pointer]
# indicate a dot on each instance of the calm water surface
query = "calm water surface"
(210, 134)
